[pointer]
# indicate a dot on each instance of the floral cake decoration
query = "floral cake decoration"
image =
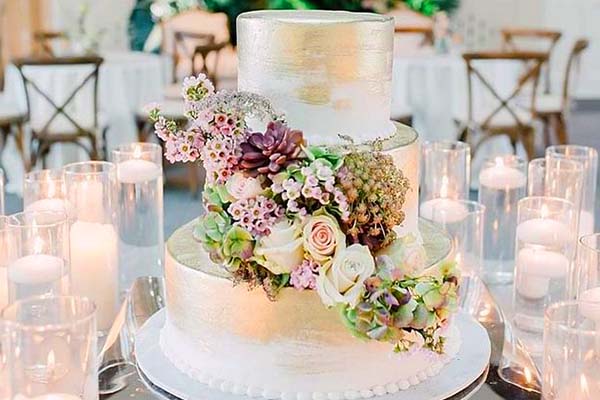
(282, 213)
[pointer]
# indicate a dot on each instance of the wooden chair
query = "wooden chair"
(194, 27)
(553, 108)
(88, 136)
(47, 40)
(12, 120)
(425, 32)
(505, 117)
(189, 45)
(530, 39)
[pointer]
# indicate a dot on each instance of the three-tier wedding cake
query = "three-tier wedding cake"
(311, 194)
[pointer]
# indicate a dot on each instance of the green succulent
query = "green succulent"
(216, 197)
(333, 160)
(210, 231)
(238, 246)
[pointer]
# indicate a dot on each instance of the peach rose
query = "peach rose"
(323, 238)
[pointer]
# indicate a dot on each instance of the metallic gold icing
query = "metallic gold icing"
(329, 71)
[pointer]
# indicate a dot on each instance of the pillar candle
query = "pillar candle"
(94, 267)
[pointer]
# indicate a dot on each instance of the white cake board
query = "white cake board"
(469, 364)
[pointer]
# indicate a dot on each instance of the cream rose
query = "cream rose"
(407, 255)
(282, 249)
(342, 280)
(323, 238)
(243, 187)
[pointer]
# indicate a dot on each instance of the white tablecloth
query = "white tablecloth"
(433, 88)
(127, 81)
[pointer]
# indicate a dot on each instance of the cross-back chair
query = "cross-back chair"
(12, 119)
(191, 45)
(46, 41)
(87, 136)
(520, 39)
(552, 109)
(505, 117)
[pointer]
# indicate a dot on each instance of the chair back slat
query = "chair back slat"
(47, 42)
(572, 62)
(505, 102)
(65, 109)
(194, 26)
(522, 39)
(425, 32)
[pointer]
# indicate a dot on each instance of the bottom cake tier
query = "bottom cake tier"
(239, 341)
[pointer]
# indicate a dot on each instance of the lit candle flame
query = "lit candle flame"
(499, 161)
(51, 363)
(544, 211)
(137, 153)
(528, 375)
(584, 385)
(38, 246)
(51, 189)
(444, 187)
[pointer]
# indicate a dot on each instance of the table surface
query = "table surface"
(120, 379)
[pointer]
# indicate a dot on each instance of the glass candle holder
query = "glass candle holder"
(588, 157)
(44, 190)
(2, 182)
(586, 285)
(545, 247)
(502, 183)
(536, 177)
(140, 211)
(51, 349)
(445, 173)
(5, 257)
(90, 188)
(464, 222)
(39, 258)
(562, 178)
(571, 351)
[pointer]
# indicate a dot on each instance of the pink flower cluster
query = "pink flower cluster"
(184, 146)
(256, 215)
(221, 155)
(304, 276)
(319, 185)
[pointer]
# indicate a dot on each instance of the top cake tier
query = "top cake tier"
(329, 71)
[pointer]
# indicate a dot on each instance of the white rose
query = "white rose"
(243, 187)
(342, 281)
(282, 249)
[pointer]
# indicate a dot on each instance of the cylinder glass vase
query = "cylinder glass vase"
(464, 222)
(90, 188)
(586, 282)
(571, 351)
(445, 173)
(2, 183)
(588, 157)
(139, 211)
(44, 190)
(39, 256)
(51, 347)
(544, 248)
(5, 257)
(502, 183)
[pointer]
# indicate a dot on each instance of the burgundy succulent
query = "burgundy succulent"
(269, 152)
